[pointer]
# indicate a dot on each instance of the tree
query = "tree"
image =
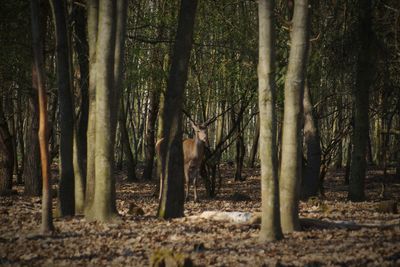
(47, 218)
(92, 24)
(172, 195)
(310, 179)
(81, 123)
(360, 96)
(291, 160)
(31, 167)
(270, 220)
(6, 154)
(108, 74)
(66, 199)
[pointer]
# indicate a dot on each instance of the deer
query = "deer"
(193, 154)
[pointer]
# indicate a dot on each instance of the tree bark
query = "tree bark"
(360, 96)
(66, 199)
(290, 175)
(31, 171)
(6, 155)
(172, 198)
(80, 134)
(126, 146)
(47, 218)
(109, 52)
(254, 147)
(92, 22)
(270, 219)
(310, 181)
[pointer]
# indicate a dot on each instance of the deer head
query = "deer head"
(200, 132)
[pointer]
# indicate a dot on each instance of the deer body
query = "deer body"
(193, 153)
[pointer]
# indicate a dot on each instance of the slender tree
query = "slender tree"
(310, 179)
(290, 173)
(66, 199)
(270, 218)
(360, 96)
(109, 52)
(126, 146)
(47, 218)
(172, 195)
(6, 154)
(92, 24)
(81, 123)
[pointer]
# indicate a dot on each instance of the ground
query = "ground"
(357, 233)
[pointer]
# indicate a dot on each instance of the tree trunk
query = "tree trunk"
(31, 171)
(360, 95)
(254, 147)
(80, 134)
(290, 175)
(270, 220)
(20, 130)
(66, 199)
(109, 51)
(92, 22)
(6, 155)
(172, 198)
(47, 218)
(126, 146)
(310, 181)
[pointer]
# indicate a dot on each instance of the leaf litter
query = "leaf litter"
(336, 232)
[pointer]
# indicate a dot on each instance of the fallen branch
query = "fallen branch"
(255, 218)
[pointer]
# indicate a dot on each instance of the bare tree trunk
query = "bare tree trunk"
(150, 133)
(270, 219)
(47, 218)
(92, 18)
(364, 79)
(172, 197)
(254, 147)
(108, 71)
(20, 130)
(290, 175)
(31, 171)
(131, 164)
(80, 134)
(310, 181)
(6, 155)
(66, 199)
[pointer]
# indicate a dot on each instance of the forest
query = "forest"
(199, 133)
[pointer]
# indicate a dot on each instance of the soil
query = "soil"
(354, 234)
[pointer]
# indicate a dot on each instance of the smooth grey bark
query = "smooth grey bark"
(66, 199)
(270, 218)
(104, 203)
(360, 96)
(92, 24)
(310, 180)
(47, 216)
(291, 162)
(172, 196)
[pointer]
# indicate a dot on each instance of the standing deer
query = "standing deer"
(193, 153)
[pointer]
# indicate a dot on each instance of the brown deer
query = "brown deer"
(193, 153)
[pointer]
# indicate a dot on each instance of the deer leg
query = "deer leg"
(187, 182)
(196, 173)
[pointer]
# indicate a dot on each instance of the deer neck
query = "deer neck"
(198, 146)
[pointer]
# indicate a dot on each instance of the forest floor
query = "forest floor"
(354, 234)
